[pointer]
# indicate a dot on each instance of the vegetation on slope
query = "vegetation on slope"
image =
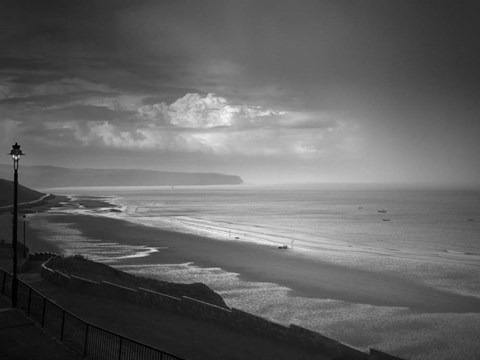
(24, 194)
(79, 266)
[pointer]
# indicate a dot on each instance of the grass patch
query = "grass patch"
(78, 265)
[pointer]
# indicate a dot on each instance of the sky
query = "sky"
(274, 91)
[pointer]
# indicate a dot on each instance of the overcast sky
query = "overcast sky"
(273, 91)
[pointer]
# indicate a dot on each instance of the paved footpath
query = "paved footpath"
(22, 339)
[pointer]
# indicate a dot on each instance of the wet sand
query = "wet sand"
(305, 276)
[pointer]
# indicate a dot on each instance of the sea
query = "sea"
(430, 236)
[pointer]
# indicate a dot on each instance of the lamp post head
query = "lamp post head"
(15, 153)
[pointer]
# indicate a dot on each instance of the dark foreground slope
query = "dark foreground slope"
(82, 267)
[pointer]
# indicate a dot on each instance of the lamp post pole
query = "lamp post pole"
(15, 153)
(24, 218)
(14, 242)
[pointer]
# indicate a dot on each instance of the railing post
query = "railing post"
(102, 342)
(29, 299)
(4, 281)
(63, 325)
(120, 348)
(86, 342)
(43, 311)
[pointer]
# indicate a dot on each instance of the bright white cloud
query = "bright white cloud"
(208, 124)
(155, 113)
(195, 111)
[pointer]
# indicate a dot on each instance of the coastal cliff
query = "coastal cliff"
(50, 176)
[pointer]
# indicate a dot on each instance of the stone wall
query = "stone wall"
(204, 311)
(42, 256)
(158, 300)
(235, 319)
(83, 285)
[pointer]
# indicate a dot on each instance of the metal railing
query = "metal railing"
(90, 341)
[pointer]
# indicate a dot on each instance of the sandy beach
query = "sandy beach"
(343, 299)
(305, 276)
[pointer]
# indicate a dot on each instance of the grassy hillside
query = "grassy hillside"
(80, 266)
(24, 194)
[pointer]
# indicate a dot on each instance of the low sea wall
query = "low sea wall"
(232, 318)
(38, 256)
(41, 256)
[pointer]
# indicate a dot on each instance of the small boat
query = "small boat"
(385, 219)
(383, 211)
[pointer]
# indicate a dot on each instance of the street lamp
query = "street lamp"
(15, 153)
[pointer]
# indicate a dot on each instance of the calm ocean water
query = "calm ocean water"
(430, 222)
(437, 224)
(431, 236)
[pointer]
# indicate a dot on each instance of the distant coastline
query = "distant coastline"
(50, 176)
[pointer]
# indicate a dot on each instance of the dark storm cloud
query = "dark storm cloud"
(9, 64)
(41, 102)
(366, 48)
(375, 81)
(84, 39)
(324, 45)
(45, 28)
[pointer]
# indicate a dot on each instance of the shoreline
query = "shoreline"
(304, 276)
(358, 307)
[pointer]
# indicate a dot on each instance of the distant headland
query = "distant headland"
(50, 176)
